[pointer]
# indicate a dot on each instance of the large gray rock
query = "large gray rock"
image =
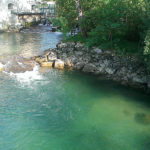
(89, 68)
(66, 45)
(85, 49)
(61, 45)
(109, 71)
(122, 72)
(70, 50)
(79, 46)
(71, 44)
(63, 56)
(79, 65)
(139, 79)
(68, 62)
(74, 59)
(79, 53)
(52, 56)
(86, 58)
(100, 70)
(97, 51)
(46, 52)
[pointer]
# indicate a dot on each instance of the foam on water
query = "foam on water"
(1, 65)
(26, 77)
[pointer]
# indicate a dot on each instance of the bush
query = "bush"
(60, 22)
(118, 25)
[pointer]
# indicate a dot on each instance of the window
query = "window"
(10, 6)
(33, 7)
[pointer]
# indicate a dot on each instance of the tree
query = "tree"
(80, 17)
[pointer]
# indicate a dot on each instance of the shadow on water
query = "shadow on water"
(142, 118)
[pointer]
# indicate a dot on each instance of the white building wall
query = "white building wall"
(8, 18)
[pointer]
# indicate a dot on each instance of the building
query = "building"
(11, 10)
(48, 8)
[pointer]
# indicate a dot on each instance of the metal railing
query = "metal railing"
(16, 12)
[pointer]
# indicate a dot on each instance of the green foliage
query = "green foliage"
(77, 38)
(66, 9)
(147, 50)
(60, 22)
(120, 25)
(147, 44)
(30, 24)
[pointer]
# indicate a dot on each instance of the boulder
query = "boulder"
(47, 64)
(79, 65)
(100, 70)
(68, 63)
(122, 72)
(46, 52)
(52, 56)
(41, 59)
(89, 68)
(59, 64)
(139, 79)
(78, 53)
(54, 29)
(63, 56)
(85, 49)
(87, 58)
(74, 59)
(109, 70)
(61, 45)
(69, 50)
(71, 44)
(97, 51)
(79, 46)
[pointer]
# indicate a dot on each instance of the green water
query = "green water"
(64, 110)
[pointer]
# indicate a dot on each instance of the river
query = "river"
(66, 110)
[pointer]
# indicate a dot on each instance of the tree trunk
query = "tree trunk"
(80, 16)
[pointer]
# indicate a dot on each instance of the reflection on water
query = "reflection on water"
(28, 43)
(60, 110)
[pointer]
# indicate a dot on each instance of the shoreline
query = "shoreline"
(76, 56)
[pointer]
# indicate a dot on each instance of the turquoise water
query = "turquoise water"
(65, 110)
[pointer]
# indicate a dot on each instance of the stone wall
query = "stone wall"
(9, 20)
(126, 70)
(29, 18)
(24, 20)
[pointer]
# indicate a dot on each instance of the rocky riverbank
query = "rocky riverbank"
(125, 70)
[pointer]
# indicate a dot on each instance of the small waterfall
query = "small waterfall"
(20, 69)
